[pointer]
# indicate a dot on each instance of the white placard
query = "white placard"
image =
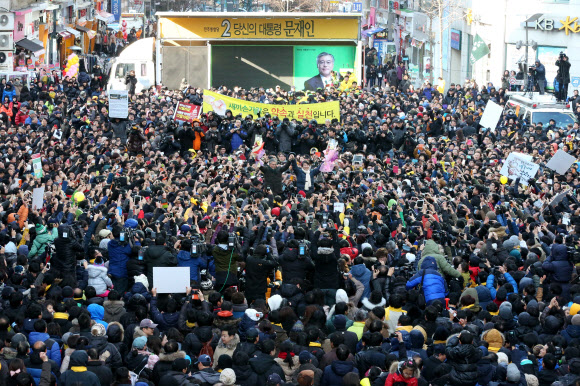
(118, 104)
(515, 167)
(339, 207)
(491, 115)
(171, 280)
(561, 162)
(37, 198)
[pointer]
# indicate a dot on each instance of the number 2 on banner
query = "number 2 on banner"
(226, 23)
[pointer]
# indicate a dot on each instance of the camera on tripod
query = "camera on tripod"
(198, 246)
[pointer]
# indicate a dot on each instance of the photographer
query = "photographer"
(540, 76)
(259, 266)
(64, 262)
(563, 77)
(135, 141)
(293, 263)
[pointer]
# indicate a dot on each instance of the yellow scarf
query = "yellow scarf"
(190, 325)
(314, 344)
(78, 369)
(60, 315)
(389, 309)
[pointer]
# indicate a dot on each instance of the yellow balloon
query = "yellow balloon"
(503, 180)
(79, 196)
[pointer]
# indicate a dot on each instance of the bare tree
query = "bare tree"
(300, 5)
(445, 12)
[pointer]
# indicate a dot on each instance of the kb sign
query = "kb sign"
(566, 24)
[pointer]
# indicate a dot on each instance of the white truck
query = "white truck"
(139, 57)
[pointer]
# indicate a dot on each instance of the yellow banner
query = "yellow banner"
(257, 28)
(318, 111)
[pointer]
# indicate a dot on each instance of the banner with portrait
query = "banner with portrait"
(318, 111)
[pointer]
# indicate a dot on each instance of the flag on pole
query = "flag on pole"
(479, 50)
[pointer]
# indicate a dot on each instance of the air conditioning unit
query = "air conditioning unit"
(6, 60)
(6, 21)
(6, 41)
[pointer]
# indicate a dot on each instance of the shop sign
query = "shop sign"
(456, 39)
(567, 24)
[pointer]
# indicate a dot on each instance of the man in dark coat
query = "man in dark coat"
(264, 364)
(158, 255)
(563, 76)
(258, 268)
(273, 174)
(98, 367)
(463, 356)
(293, 264)
(558, 266)
(64, 261)
(81, 375)
(434, 361)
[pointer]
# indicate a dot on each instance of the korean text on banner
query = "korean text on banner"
(118, 104)
(514, 167)
(186, 112)
(37, 165)
(318, 111)
(171, 279)
(561, 162)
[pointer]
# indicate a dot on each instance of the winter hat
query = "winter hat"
(304, 357)
(98, 330)
(20, 337)
(341, 296)
(524, 319)
(576, 320)
(228, 377)
(253, 314)
(574, 309)
(274, 302)
(40, 229)
(502, 358)
(513, 373)
(23, 250)
(339, 322)
(505, 312)
(532, 380)
(140, 342)
(142, 279)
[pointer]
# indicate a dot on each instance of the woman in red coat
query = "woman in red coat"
(405, 373)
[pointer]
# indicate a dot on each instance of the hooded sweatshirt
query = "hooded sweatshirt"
(97, 314)
(443, 266)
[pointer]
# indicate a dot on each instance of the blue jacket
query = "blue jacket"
(184, 259)
(165, 320)
(52, 352)
(301, 176)
(364, 275)
(433, 283)
(97, 314)
(571, 332)
(334, 373)
(118, 257)
(9, 93)
(490, 284)
(558, 265)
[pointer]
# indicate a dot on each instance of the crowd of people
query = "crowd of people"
(408, 263)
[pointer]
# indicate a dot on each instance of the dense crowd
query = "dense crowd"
(411, 265)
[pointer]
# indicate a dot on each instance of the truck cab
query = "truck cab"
(138, 57)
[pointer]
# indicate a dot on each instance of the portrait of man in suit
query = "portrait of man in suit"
(325, 64)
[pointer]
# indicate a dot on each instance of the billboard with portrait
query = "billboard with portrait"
(305, 67)
(317, 66)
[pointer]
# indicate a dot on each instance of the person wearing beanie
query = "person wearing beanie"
(513, 374)
(42, 240)
(78, 373)
(228, 377)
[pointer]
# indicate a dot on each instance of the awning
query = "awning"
(33, 45)
(85, 4)
(83, 29)
(105, 16)
(372, 31)
(91, 34)
(74, 32)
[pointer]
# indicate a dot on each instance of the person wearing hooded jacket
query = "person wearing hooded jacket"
(334, 372)
(293, 265)
(264, 364)
(42, 240)
(78, 374)
(432, 283)
(443, 266)
(463, 356)
(64, 261)
(98, 278)
(9, 91)
(558, 266)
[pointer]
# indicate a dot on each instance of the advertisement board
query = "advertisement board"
(306, 67)
(186, 112)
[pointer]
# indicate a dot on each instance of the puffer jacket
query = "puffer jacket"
(326, 274)
(443, 266)
(558, 265)
(118, 256)
(225, 349)
(264, 365)
(463, 358)
(571, 332)
(114, 310)
(158, 256)
(184, 259)
(65, 260)
(334, 373)
(433, 282)
(165, 320)
(52, 352)
(98, 278)
(108, 353)
(43, 238)
(294, 266)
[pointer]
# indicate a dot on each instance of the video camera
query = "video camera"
(198, 246)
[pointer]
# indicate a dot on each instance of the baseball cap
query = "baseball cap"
(147, 323)
(204, 360)
(274, 380)
(140, 342)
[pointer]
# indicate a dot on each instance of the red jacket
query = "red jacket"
(20, 117)
(396, 378)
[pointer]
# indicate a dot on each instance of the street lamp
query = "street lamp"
(531, 19)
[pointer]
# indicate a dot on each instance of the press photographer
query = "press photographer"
(563, 77)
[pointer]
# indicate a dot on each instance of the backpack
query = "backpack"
(206, 349)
